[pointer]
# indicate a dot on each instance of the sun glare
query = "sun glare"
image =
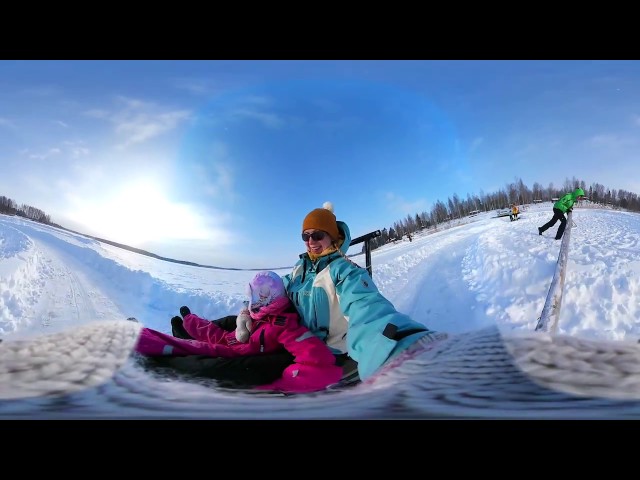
(141, 212)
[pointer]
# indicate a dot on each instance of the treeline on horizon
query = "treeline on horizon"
(454, 208)
(516, 192)
(9, 206)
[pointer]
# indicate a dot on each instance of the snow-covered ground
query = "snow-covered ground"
(481, 272)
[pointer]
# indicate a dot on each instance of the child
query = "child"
(268, 324)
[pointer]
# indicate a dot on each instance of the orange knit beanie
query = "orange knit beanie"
(322, 219)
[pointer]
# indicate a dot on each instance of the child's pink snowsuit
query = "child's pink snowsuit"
(275, 326)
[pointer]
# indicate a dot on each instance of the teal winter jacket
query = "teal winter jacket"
(338, 301)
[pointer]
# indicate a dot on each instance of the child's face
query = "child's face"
(264, 289)
(264, 292)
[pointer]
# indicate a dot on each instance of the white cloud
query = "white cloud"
(269, 120)
(54, 151)
(138, 121)
(76, 149)
(402, 207)
(611, 141)
(143, 127)
(475, 144)
(5, 122)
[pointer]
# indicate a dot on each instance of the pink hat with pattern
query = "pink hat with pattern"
(265, 287)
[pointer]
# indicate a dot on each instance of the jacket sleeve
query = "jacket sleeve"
(314, 366)
(376, 329)
(203, 330)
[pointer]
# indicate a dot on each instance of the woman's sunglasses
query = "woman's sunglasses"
(316, 236)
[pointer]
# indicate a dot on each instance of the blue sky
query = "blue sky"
(218, 162)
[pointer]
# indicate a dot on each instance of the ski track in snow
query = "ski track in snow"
(59, 293)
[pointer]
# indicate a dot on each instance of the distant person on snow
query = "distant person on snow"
(514, 212)
(268, 324)
(562, 206)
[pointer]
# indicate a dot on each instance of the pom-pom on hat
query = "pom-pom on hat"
(265, 287)
(322, 219)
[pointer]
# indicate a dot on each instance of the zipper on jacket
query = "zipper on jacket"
(262, 341)
(304, 270)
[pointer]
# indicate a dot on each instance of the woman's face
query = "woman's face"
(316, 246)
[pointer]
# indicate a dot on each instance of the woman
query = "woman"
(338, 301)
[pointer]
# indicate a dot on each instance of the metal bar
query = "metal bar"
(367, 247)
(365, 237)
(548, 321)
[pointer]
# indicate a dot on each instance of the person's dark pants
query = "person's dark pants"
(557, 215)
(227, 323)
(236, 372)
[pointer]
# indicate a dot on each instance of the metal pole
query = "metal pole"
(548, 320)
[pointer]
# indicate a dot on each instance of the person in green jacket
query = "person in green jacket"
(562, 206)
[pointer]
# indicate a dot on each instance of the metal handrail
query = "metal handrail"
(548, 321)
(367, 247)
